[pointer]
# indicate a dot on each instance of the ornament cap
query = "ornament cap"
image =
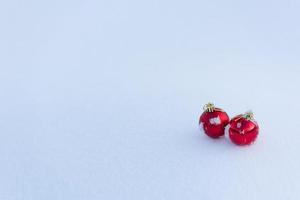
(209, 107)
(249, 115)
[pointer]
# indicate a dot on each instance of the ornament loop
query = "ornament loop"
(209, 107)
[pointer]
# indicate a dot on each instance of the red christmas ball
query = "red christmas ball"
(213, 121)
(243, 129)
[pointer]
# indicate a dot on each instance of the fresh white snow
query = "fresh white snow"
(100, 100)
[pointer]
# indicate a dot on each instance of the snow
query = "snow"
(201, 128)
(101, 99)
(215, 120)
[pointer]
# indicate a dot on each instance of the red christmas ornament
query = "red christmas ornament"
(243, 129)
(213, 121)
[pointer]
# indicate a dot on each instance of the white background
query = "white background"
(101, 99)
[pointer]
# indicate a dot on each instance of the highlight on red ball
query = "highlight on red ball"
(243, 129)
(213, 121)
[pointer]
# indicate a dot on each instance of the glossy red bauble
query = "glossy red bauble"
(243, 129)
(213, 121)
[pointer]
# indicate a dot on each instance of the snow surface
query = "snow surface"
(201, 128)
(101, 99)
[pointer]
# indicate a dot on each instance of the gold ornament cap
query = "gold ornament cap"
(249, 115)
(209, 107)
